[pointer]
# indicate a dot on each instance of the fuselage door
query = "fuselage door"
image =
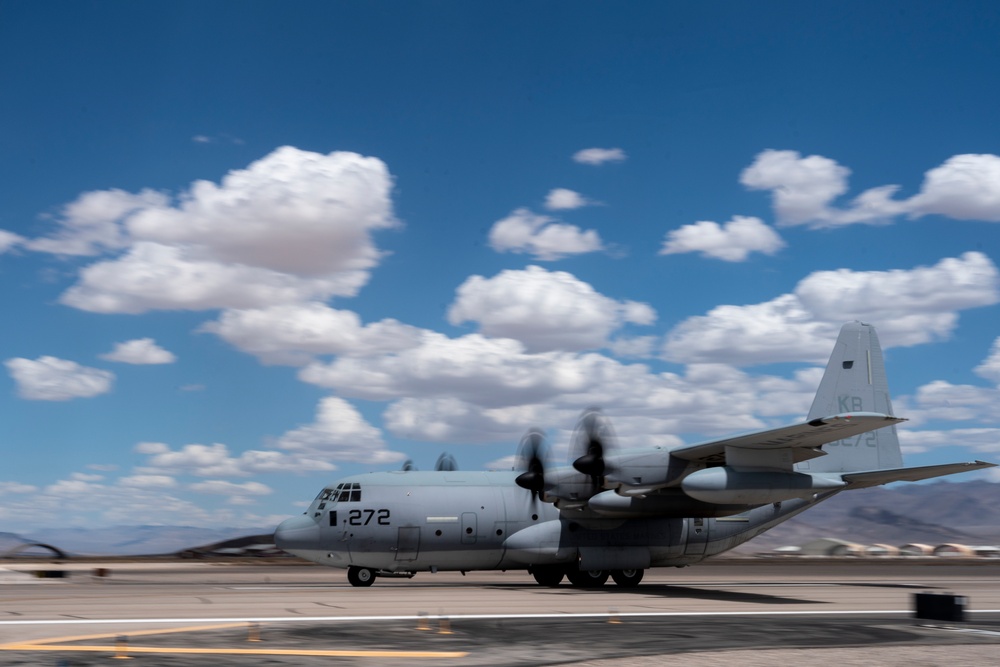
(469, 527)
(697, 536)
(408, 544)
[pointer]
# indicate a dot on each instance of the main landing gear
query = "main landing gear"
(552, 575)
(360, 576)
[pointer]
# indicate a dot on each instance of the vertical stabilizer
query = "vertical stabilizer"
(855, 381)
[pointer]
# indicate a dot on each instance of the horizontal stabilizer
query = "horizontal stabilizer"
(811, 434)
(863, 480)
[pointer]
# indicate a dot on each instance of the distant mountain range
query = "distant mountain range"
(938, 513)
(128, 540)
(965, 512)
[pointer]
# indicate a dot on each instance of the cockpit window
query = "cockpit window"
(346, 492)
(350, 492)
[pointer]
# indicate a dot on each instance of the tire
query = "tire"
(548, 575)
(587, 578)
(627, 578)
(361, 576)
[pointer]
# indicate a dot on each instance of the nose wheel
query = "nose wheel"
(360, 576)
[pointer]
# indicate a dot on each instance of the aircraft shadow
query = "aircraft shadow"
(679, 592)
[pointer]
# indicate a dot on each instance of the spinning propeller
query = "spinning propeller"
(531, 459)
(592, 440)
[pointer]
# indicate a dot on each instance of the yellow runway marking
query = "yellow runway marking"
(114, 635)
(59, 644)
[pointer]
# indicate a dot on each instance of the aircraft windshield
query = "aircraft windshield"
(344, 493)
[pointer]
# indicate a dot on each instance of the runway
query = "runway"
(223, 613)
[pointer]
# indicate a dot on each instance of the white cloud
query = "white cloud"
(981, 440)
(477, 389)
(731, 242)
(545, 310)
(637, 346)
(294, 333)
(53, 379)
(563, 199)
(148, 481)
(801, 187)
(16, 487)
(908, 307)
(341, 433)
(9, 240)
(216, 461)
(222, 488)
(598, 156)
(153, 276)
(943, 401)
(965, 187)
(541, 236)
(293, 226)
(92, 224)
(990, 368)
(140, 351)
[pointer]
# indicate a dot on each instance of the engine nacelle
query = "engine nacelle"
(728, 486)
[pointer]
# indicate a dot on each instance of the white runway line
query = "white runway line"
(472, 617)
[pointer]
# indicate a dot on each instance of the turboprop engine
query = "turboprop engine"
(728, 486)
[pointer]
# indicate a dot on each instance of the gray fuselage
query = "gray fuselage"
(410, 521)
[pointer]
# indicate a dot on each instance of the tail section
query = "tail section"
(855, 381)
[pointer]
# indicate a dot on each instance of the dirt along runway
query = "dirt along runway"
(191, 613)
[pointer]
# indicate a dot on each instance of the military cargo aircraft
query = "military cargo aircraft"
(614, 513)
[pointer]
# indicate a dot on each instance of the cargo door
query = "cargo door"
(408, 543)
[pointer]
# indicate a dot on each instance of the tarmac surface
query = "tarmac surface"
(761, 611)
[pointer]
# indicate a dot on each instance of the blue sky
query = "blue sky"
(249, 247)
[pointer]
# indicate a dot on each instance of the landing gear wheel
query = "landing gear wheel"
(627, 578)
(360, 576)
(588, 578)
(548, 575)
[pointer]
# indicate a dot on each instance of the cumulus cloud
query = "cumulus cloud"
(294, 333)
(141, 351)
(541, 236)
(148, 481)
(53, 379)
(216, 461)
(219, 487)
(292, 226)
(563, 199)
(93, 223)
(803, 189)
(990, 368)
(731, 242)
(478, 389)
(981, 440)
(599, 156)
(909, 307)
(341, 433)
(965, 187)
(545, 310)
(338, 433)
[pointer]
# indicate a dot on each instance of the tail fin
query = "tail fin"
(855, 381)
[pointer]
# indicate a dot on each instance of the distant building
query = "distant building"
(913, 550)
(953, 551)
(881, 551)
(829, 546)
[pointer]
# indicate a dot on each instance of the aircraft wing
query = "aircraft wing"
(807, 435)
(865, 479)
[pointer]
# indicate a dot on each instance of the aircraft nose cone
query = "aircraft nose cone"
(299, 532)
